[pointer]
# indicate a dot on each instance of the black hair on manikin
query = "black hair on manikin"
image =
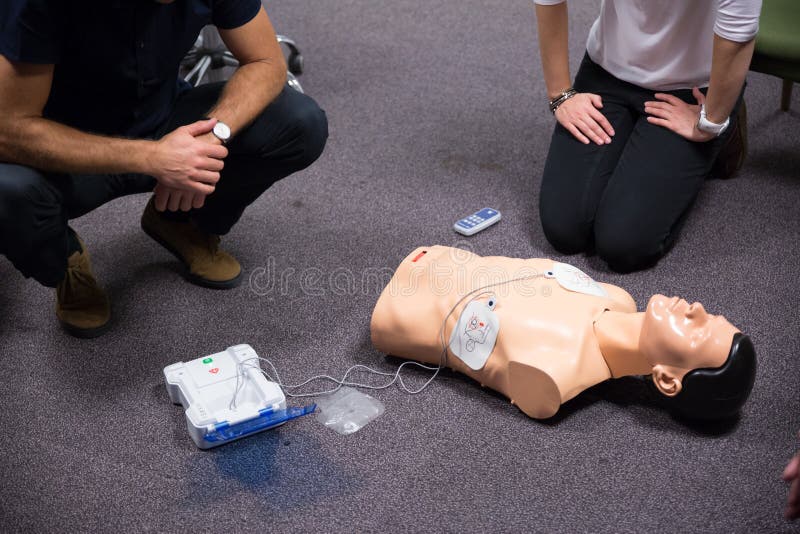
(718, 393)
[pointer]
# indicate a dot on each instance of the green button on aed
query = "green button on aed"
(207, 360)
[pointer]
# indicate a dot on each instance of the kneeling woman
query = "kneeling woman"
(653, 109)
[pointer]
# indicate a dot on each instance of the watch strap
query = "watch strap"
(705, 125)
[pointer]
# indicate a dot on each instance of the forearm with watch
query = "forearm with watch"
(260, 78)
(239, 104)
(729, 67)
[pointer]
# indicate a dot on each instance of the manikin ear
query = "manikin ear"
(666, 380)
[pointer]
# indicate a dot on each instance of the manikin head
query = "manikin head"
(701, 362)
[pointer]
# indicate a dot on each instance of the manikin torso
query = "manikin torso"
(546, 351)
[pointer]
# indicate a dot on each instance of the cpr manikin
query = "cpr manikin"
(540, 332)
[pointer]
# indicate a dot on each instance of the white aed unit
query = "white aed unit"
(206, 388)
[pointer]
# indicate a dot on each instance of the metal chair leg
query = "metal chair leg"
(295, 59)
(293, 82)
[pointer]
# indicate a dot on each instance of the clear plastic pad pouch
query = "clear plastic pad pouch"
(347, 410)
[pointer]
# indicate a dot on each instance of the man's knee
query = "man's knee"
(627, 247)
(302, 130)
(311, 125)
(25, 196)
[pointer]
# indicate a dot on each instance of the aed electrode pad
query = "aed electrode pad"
(573, 279)
(475, 334)
(227, 397)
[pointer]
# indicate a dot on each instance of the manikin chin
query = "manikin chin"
(559, 333)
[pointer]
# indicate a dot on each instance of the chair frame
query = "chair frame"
(201, 58)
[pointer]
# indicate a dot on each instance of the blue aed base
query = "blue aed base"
(206, 386)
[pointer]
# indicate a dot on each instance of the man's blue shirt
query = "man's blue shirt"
(116, 61)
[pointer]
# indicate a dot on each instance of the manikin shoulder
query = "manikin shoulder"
(623, 300)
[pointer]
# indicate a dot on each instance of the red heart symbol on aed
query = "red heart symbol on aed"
(214, 371)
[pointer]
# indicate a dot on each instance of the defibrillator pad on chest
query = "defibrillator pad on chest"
(475, 334)
(573, 279)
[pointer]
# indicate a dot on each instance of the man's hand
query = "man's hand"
(184, 160)
(792, 475)
(209, 138)
(674, 114)
(581, 116)
(167, 198)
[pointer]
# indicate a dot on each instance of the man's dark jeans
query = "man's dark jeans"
(35, 207)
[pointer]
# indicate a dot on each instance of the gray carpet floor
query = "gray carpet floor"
(436, 109)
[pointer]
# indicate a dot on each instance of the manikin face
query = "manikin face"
(678, 337)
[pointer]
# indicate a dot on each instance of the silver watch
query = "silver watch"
(222, 132)
(705, 125)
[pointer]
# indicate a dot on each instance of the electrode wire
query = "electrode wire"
(396, 376)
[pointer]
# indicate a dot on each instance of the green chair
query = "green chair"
(777, 49)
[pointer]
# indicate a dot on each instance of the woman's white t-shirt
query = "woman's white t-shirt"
(666, 44)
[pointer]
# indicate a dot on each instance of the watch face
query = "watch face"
(222, 131)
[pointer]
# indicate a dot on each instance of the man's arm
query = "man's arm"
(27, 138)
(257, 82)
(260, 77)
(579, 114)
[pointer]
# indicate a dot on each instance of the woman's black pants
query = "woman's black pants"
(627, 200)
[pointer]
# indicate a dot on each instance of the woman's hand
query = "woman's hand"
(674, 114)
(581, 117)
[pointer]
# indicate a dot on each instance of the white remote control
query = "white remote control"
(477, 221)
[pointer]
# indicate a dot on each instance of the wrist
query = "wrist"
(222, 131)
(557, 89)
(562, 97)
(709, 126)
(144, 156)
(713, 116)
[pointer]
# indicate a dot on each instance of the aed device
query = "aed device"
(206, 388)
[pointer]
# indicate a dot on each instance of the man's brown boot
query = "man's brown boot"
(207, 265)
(82, 306)
(731, 156)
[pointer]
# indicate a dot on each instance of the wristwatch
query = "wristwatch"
(705, 125)
(222, 132)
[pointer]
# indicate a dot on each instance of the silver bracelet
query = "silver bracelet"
(560, 99)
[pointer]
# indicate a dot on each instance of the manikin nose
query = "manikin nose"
(696, 310)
